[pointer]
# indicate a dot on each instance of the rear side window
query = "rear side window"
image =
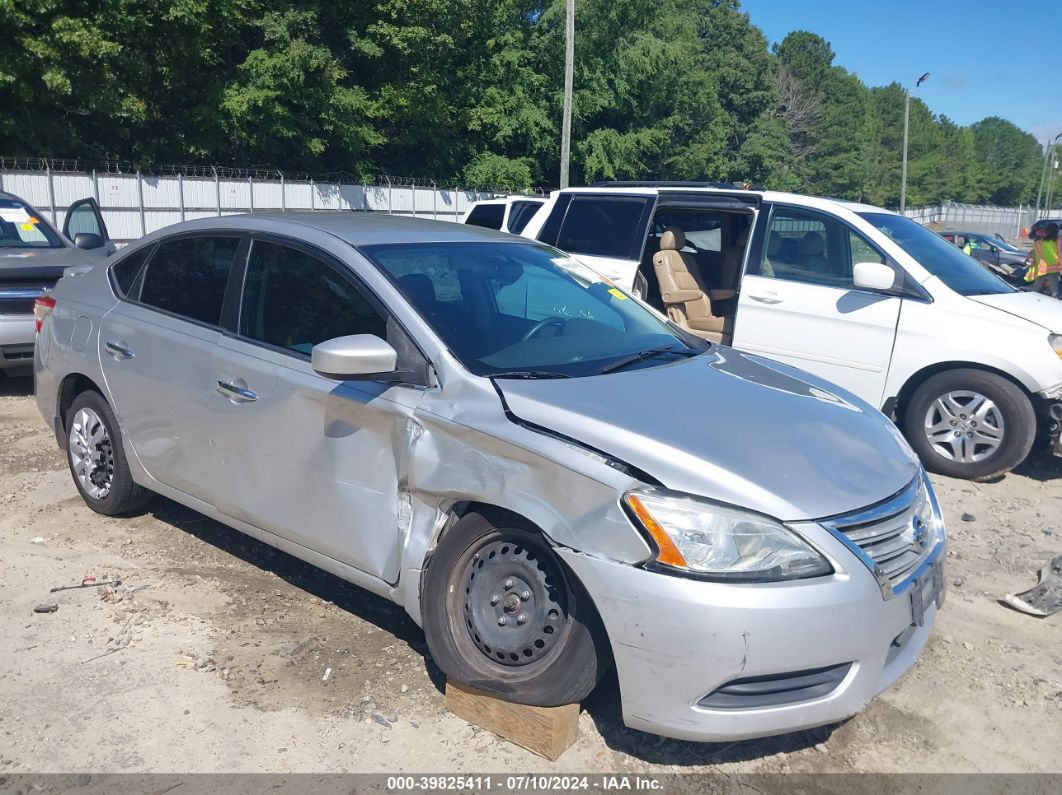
(520, 213)
(127, 272)
(487, 215)
(603, 226)
(188, 276)
(293, 300)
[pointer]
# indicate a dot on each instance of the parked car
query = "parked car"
(33, 255)
(510, 214)
(545, 473)
(1000, 257)
(970, 368)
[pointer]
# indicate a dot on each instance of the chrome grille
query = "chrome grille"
(17, 297)
(890, 538)
(16, 306)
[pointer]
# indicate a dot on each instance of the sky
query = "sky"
(985, 57)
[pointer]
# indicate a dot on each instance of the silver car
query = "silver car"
(547, 475)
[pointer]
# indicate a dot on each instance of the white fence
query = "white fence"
(953, 217)
(135, 203)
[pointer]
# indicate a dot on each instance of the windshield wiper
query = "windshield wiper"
(642, 355)
(528, 374)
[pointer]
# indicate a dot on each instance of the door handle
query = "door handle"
(118, 352)
(237, 393)
(769, 298)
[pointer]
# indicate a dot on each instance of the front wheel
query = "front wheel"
(502, 615)
(970, 424)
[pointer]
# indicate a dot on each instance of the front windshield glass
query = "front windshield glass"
(960, 272)
(524, 310)
(999, 242)
(21, 227)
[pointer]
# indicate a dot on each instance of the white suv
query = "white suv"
(970, 368)
(510, 214)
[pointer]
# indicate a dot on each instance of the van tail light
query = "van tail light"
(42, 307)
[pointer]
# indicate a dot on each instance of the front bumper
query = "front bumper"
(677, 640)
(17, 333)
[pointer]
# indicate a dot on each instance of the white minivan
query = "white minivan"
(969, 367)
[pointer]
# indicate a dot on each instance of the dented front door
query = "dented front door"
(316, 461)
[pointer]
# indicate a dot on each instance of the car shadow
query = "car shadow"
(1041, 466)
(16, 385)
(367, 606)
(603, 705)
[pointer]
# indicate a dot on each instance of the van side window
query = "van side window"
(813, 248)
(188, 276)
(489, 216)
(293, 300)
(520, 213)
(603, 226)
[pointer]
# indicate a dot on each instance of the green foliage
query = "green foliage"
(472, 90)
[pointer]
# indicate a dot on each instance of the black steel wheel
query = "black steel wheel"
(501, 614)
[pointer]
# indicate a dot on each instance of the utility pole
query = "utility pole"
(1051, 181)
(906, 126)
(569, 79)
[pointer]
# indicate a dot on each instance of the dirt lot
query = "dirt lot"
(213, 654)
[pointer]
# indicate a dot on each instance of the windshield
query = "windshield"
(960, 272)
(21, 227)
(999, 242)
(525, 310)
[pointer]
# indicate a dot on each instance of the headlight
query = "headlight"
(1056, 343)
(927, 509)
(713, 541)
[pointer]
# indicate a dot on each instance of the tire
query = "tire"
(549, 650)
(970, 424)
(97, 459)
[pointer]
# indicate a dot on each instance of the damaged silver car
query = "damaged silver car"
(543, 471)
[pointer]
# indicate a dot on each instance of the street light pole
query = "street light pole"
(569, 79)
(906, 125)
(1052, 168)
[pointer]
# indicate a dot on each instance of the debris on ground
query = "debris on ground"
(1043, 599)
(45, 608)
(87, 582)
(969, 517)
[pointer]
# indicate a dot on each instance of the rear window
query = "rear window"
(188, 276)
(126, 272)
(520, 213)
(21, 227)
(488, 216)
(603, 226)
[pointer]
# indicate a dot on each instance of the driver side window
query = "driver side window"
(813, 248)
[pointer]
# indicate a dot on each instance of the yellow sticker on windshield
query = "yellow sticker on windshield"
(27, 227)
(617, 294)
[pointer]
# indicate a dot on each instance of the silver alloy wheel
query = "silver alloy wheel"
(91, 454)
(964, 426)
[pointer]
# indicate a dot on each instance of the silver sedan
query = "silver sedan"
(545, 473)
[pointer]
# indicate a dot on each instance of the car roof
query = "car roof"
(356, 228)
(663, 188)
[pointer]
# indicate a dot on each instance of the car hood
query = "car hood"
(731, 427)
(1039, 309)
(42, 263)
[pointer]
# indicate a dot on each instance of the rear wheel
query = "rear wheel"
(97, 460)
(502, 615)
(970, 424)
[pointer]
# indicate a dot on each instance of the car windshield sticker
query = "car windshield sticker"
(14, 215)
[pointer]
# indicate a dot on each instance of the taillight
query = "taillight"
(41, 307)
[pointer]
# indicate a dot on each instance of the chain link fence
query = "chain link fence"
(136, 201)
(1008, 222)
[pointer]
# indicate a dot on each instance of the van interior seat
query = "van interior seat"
(810, 253)
(686, 300)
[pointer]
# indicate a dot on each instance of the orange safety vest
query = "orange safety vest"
(1048, 261)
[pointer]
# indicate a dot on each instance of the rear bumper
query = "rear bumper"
(17, 333)
(682, 647)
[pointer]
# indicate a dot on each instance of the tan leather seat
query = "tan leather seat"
(685, 299)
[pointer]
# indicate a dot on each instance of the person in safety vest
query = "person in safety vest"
(969, 247)
(1046, 270)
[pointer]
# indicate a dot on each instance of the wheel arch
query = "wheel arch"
(72, 385)
(898, 403)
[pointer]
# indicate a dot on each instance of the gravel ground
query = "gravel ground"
(218, 653)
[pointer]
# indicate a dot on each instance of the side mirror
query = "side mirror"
(873, 276)
(360, 356)
(88, 240)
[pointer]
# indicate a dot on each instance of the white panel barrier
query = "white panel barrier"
(135, 204)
